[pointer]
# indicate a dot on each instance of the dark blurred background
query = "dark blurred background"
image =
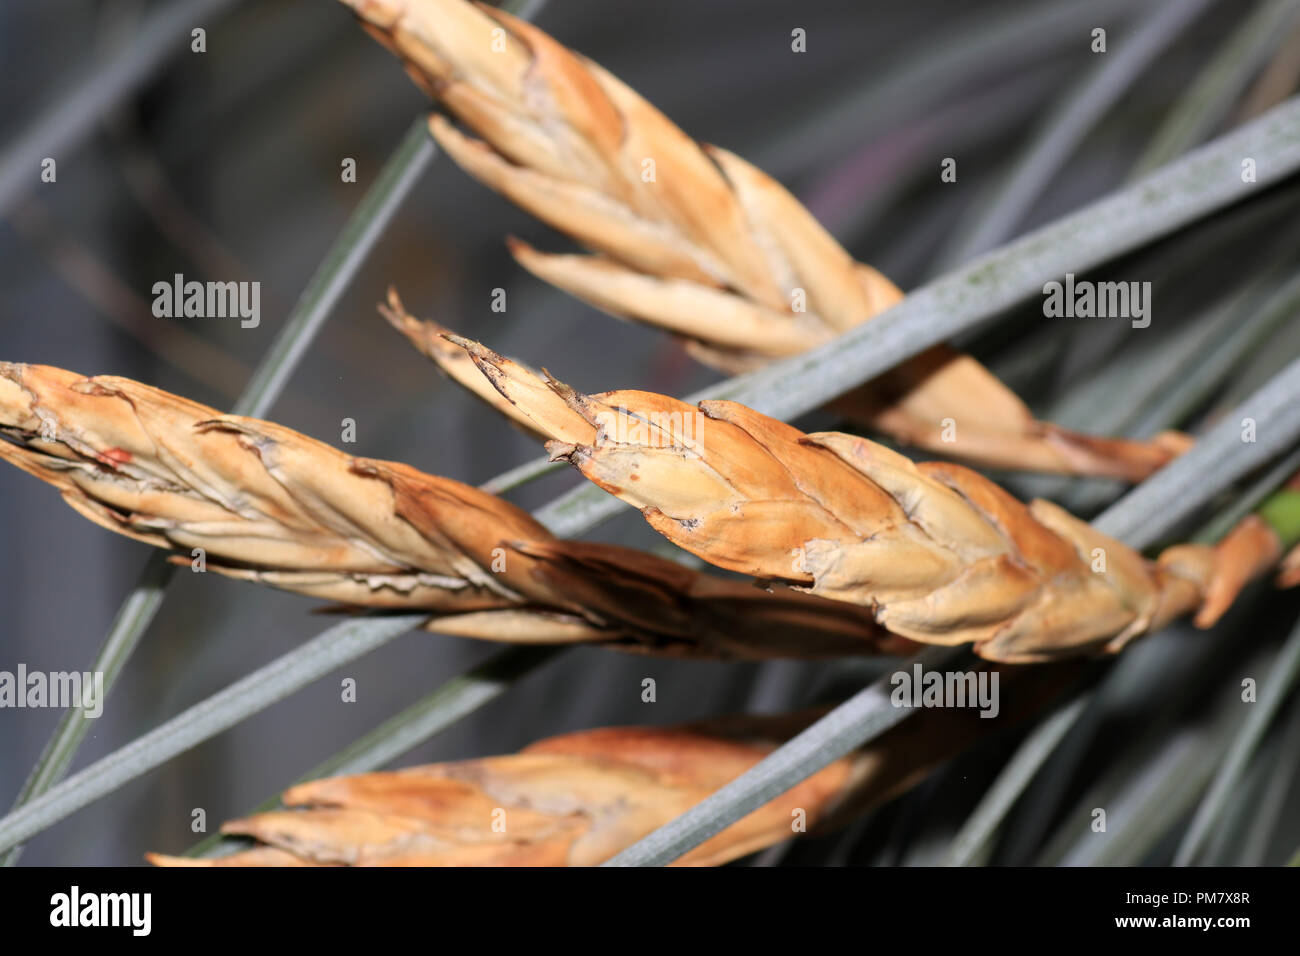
(225, 165)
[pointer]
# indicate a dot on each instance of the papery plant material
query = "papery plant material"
(1246, 552)
(691, 238)
(430, 338)
(578, 799)
(1288, 573)
(939, 553)
(254, 500)
(989, 424)
(574, 800)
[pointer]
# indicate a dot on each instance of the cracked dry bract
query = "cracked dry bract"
(935, 552)
(267, 504)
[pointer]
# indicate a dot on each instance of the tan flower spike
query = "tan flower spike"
(578, 799)
(939, 553)
(254, 500)
(693, 239)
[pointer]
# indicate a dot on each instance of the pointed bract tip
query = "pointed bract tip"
(517, 247)
(394, 312)
(413, 328)
(480, 353)
(567, 392)
(469, 345)
(576, 400)
(240, 826)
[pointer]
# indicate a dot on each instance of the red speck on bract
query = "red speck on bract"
(118, 456)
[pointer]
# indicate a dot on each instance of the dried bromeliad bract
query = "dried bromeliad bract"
(939, 553)
(257, 501)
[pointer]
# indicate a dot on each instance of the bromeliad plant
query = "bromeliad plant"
(856, 549)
